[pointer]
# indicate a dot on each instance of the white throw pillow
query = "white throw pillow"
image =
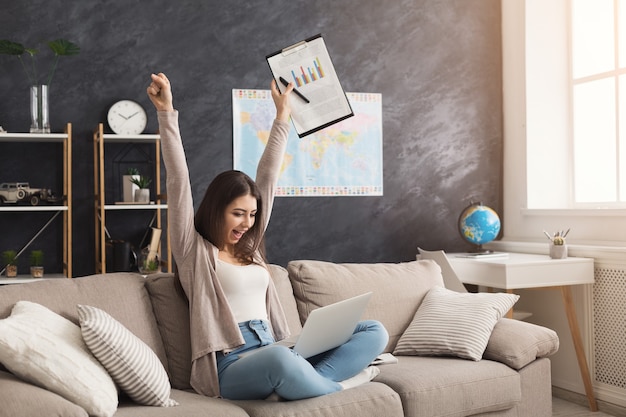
(131, 363)
(448, 323)
(41, 347)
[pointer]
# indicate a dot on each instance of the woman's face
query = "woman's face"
(239, 217)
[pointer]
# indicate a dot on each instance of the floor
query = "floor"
(562, 408)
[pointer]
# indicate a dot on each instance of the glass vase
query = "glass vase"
(40, 119)
(148, 263)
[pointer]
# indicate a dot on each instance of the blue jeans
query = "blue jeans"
(280, 369)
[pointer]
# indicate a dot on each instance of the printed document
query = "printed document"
(307, 64)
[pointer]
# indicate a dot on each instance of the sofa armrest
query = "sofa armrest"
(19, 398)
(516, 343)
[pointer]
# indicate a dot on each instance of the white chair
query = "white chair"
(450, 278)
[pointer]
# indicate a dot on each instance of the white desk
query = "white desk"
(520, 270)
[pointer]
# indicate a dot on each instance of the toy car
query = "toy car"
(14, 192)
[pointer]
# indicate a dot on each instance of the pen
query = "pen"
(299, 94)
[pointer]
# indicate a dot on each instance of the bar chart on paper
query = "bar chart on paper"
(311, 74)
(308, 66)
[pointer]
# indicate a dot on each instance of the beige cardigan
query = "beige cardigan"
(213, 325)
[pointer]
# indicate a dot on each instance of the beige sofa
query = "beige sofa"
(513, 378)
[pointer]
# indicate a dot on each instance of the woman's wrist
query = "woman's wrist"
(283, 116)
(166, 107)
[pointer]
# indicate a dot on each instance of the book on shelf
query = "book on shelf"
(154, 244)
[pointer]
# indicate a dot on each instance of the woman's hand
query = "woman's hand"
(160, 92)
(281, 101)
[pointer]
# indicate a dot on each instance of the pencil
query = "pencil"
(299, 94)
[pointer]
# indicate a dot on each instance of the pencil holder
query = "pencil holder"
(558, 251)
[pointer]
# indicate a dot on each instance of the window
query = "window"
(538, 186)
(598, 102)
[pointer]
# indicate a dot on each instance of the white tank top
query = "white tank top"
(245, 288)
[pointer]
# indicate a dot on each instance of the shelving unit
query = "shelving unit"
(64, 210)
(101, 207)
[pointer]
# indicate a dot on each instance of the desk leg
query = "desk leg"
(509, 313)
(566, 291)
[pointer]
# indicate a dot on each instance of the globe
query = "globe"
(479, 224)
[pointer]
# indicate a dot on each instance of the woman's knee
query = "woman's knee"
(376, 332)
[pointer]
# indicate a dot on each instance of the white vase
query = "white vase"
(129, 188)
(142, 195)
(558, 251)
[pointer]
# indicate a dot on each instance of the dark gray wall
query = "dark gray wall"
(436, 63)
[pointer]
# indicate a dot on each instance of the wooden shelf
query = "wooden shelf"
(101, 207)
(56, 209)
(134, 206)
(33, 208)
(25, 279)
(33, 137)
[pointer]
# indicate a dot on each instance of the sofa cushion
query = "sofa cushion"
(517, 343)
(171, 310)
(371, 399)
(280, 277)
(398, 288)
(443, 386)
(19, 398)
(129, 361)
(191, 405)
(48, 350)
(450, 323)
(122, 294)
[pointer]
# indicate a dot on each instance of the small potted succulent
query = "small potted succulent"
(9, 261)
(36, 263)
(558, 244)
(142, 195)
(148, 262)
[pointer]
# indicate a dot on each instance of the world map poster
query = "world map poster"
(345, 159)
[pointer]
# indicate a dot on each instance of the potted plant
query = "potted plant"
(36, 263)
(38, 88)
(9, 260)
(128, 186)
(142, 195)
(148, 263)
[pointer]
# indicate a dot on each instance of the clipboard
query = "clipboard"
(308, 65)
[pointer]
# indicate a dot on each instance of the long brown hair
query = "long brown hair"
(209, 219)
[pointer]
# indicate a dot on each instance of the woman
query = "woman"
(234, 306)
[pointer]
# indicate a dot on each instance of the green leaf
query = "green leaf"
(141, 182)
(63, 47)
(8, 47)
(32, 51)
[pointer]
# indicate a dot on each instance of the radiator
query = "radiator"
(609, 329)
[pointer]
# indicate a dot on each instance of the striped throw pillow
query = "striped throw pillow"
(134, 367)
(448, 323)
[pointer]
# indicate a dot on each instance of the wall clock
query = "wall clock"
(127, 117)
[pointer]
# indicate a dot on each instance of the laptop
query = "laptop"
(326, 327)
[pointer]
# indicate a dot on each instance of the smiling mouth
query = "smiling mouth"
(238, 234)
